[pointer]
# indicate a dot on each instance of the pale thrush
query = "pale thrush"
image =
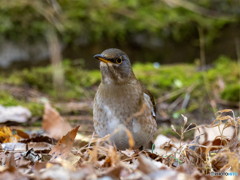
(121, 96)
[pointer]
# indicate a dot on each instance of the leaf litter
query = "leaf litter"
(41, 156)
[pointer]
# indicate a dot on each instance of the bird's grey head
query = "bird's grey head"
(115, 66)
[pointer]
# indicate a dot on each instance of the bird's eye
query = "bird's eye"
(119, 60)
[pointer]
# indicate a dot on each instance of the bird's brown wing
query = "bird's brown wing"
(146, 91)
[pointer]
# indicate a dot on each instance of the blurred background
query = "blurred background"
(187, 52)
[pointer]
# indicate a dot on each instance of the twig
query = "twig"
(175, 103)
(203, 61)
(170, 95)
(91, 139)
(185, 101)
(238, 59)
(202, 50)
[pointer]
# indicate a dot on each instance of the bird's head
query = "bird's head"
(115, 67)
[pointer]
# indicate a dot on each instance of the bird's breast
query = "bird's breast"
(114, 104)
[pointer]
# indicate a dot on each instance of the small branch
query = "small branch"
(238, 59)
(203, 64)
(202, 50)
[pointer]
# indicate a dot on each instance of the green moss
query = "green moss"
(166, 78)
(40, 78)
(7, 99)
(231, 93)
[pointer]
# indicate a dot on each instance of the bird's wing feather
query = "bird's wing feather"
(147, 92)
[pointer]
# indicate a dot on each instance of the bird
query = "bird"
(119, 101)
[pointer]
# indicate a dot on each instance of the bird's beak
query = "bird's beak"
(101, 58)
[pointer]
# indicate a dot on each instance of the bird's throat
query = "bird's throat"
(112, 75)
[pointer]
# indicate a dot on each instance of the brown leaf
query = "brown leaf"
(7, 136)
(10, 171)
(39, 165)
(22, 134)
(115, 173)
(40, 138)
(186, 168)
(146, 165)
(53, 123)
(18, 160)
(21, 161)
(64, 145)
(40, 147)
(9, 161)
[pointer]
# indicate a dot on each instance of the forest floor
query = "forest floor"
(60, 150)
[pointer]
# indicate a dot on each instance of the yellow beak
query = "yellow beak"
(101, 58)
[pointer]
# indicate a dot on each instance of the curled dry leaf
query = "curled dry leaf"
(53, 123)
(64, 145)
(6, 135)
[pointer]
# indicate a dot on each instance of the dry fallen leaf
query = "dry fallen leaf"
(7, 136)
(39, 138)
(71, 159)
(53, 123)
(211, 132)
(13, 160)
(146, 165)
(22, 134)
(64, 145)
(42, 147)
